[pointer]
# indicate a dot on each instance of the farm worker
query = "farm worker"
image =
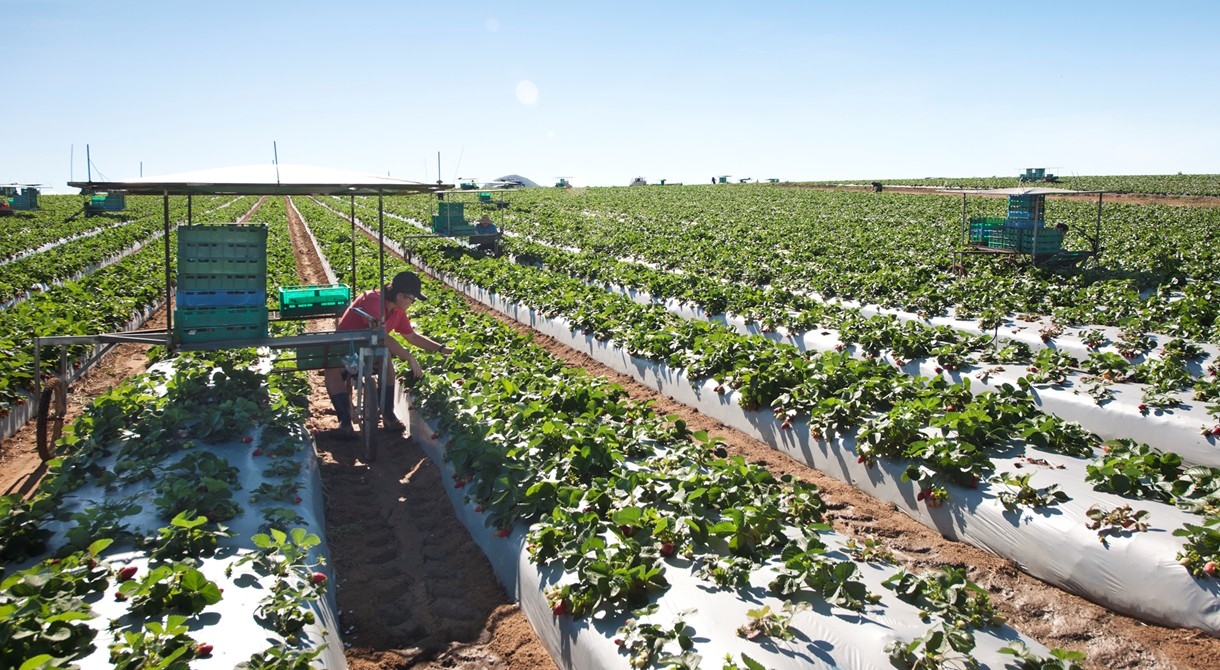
(400, 293)
(484, 226)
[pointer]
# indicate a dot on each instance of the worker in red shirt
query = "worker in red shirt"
(400, 294)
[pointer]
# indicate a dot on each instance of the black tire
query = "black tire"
(368, 419)
(52, 406)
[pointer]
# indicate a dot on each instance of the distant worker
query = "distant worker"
(484, 226)
(487, 236)
(399, 294)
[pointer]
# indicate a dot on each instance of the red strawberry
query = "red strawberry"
(667, 549)
(127, 573)
(503, 532)
(786, 425)
(120, 596)
(939, 370)
(247, 439)
(1210, 568)
(478, 509)
(203, 650)
(317, 578)
(297, 500)
(1216, 430)
(626, 530)
(560, 608)
(258, 452)
(860, 458)
(436, 436)
(950, 408)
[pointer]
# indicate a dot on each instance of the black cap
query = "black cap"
(406, 282)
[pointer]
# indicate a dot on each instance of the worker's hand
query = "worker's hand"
(417, 370)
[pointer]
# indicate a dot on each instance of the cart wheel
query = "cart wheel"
(52, 406)
(368, 419)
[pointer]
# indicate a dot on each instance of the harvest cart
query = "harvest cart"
(222, 286)
(1023, 233)
(456, 212)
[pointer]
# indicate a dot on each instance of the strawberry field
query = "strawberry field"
(1004, 406)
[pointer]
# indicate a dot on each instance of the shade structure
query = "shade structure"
(262, 180)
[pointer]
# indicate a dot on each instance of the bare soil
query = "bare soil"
(414, 591)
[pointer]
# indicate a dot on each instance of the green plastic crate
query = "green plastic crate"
(316, 357)
(219, 333)
(983, 228)
(222, 282)
(195, 317)
(317, 299)
(219, 266)
(239, 234)
(1029, 240)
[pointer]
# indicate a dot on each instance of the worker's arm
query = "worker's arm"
(402, 352)
(427, 344)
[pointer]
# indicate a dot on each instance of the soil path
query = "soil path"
(414, 590)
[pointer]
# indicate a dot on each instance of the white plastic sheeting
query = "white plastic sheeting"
(1179, 430)
(827, 637)
(1136, 575)
(228, 625)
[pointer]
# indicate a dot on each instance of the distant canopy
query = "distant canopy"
(262, 180)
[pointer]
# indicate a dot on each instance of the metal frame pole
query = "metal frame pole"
(1097, 228)
(352, 201)
(169, 313)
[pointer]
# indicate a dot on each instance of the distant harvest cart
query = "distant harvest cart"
(1023, 232)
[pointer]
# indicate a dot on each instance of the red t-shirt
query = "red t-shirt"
(370, 302)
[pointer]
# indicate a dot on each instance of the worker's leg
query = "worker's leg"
(387, 387)
(340, 396)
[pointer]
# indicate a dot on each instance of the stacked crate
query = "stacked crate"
(1025, 211)
(450, 219)
(222, 283)
(983, 229)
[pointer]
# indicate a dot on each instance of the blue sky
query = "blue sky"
(604, 92)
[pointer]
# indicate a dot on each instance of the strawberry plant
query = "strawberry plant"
(764, 622)
(943, 646)
(177, 588)
(160, 645)
(1202, 551)
(22, 531)
(869, 549)
(807, 568)
(645, 642)
(281, 658)
(948, 594)
(1120, 521)
(1135, 471)
(1059, 659)
(44, 609)
(186, 537)
(1018, 493)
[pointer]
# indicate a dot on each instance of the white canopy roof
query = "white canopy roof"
(263, 180)
(1020, 190)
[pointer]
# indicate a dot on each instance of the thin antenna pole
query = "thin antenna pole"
(88, 164)
(275, 153)
(141, 168)
(71, 161)
(459, 163)
(438, 167)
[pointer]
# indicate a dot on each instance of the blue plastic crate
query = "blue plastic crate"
(220, 298)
